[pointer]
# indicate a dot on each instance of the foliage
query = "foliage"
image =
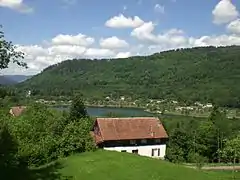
(76, 138)
(231, 151)
(8, 53)
(77, 109)
(44, 134)
(205, 74)
(199, 140)
(8, 150)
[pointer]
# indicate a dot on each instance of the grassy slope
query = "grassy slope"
(119, 166)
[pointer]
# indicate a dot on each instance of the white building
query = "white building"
(145, 136)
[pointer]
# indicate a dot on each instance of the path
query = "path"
(217, 167)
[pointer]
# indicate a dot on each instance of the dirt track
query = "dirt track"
(217, 167)
(221, 168)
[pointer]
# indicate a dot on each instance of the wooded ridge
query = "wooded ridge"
(205, 74)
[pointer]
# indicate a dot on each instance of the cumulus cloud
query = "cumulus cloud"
(80, 40)
(159, 8)
(18, 5)
(234, 26)
(123, 55)
(224, 12)
(99, 53)
(113, 43)
(171, 38)
(121, 21)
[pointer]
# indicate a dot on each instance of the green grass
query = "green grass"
(106, 165)
(124, 166)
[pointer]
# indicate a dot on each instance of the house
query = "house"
(145, 136)
(17, 111)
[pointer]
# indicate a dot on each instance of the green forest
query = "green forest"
(205, 74)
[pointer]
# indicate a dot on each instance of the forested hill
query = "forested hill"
(205, 74)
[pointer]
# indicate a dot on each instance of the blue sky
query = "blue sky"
(50, 31)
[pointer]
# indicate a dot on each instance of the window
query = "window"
(144, 141)
(135, 151)
(158, 140)
(156, 152)
(123, 151)
(132, 141)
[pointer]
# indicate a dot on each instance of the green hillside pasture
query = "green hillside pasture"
(119, 166)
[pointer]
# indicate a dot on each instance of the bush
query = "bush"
(44, 135)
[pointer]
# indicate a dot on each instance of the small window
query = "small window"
(132, 141)
(153, 152)
(144, 141)
(123, 151)
(156, 152)
(135, 151)
(158, 140)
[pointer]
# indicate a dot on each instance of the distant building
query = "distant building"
(17, 111)
(145, 136)
(122, 98)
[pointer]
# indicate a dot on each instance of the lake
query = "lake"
(124, 112)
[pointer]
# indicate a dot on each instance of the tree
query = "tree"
(231, 151)
(8, 53)
(77, 109)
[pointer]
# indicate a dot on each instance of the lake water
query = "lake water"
(123, 112)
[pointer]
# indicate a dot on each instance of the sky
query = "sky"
(51, 31)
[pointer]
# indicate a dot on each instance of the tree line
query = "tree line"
(204, 140)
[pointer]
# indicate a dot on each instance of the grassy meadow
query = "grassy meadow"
(119, 166)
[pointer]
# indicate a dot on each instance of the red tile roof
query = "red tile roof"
(129, 128)
(17, 111)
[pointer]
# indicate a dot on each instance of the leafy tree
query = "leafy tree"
(8, 53)
(231, 151)
(77, 109)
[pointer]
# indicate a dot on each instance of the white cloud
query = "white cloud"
(99, 53)
(18, 5)
(121, 21)
(171, 38)
(159, 8)
(80, 40)
(221, 40)
(224, 12)
(234, 26)
(71, 50)
(113, 43)
(123, 55)
(144, 32)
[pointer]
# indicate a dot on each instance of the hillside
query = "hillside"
(17, 78)
(6, 81)
(119, 166)
(205, 74)
(12, 79)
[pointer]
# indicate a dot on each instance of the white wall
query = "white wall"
(142, 150)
